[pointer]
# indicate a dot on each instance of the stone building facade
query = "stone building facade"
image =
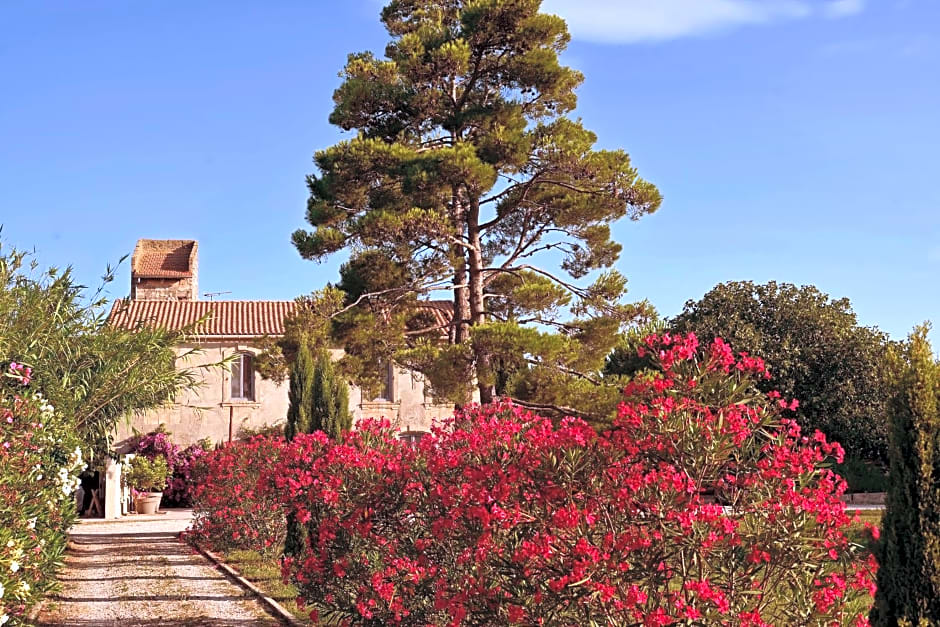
(163, 293)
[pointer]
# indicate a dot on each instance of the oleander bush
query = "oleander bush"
(230, 512)
(181, 462)
(39, 464)
(704, 504)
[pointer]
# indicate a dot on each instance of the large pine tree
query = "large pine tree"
(466, 175)
(909, 551)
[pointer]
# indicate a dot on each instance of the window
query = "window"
(411, 437)
(388, 384)
(243, 377)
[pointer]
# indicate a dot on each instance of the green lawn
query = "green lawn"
(266, 574)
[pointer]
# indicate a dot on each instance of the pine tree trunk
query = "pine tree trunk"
(461, 321)
(484, 368)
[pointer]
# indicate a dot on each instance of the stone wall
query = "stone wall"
(210, 412)
(163, 289)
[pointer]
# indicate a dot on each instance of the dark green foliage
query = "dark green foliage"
(909, 550)
(817, 351)
(466, 177)
(300, 394)
(329, 411)
(862, 476)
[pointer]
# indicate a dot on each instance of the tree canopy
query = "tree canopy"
(817, 352)
(467, 176)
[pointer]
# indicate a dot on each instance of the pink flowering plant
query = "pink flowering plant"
(703, 505)
(230, 511)
(39, 463)
(181, 461)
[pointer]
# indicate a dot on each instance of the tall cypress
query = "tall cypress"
(319, 401)
(909, 550)
(300, 397)
(330, 400)
(300, 394)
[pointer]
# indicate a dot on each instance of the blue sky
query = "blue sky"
(793, 140)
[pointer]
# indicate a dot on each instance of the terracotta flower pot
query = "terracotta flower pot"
(148, 502)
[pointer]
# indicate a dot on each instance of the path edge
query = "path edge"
(273, 607)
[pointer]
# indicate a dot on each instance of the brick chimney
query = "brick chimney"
(165, 269)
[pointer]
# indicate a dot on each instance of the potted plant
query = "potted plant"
(147, 477)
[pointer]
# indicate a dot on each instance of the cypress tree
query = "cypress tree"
(329, 411)
(300, 397)
(300, 394)
(909, 550)
(319, 401)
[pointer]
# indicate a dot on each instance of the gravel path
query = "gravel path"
(137, 573)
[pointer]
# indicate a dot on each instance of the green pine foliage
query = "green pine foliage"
(467, 180)
(909, 550)
(329, 411)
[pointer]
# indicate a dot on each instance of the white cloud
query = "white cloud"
(843, 8)
(624, 21)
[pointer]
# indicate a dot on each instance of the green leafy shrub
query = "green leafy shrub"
(148, 475)
(819, 352)
(862, 475)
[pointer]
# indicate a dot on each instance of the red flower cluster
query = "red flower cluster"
(701, 505)
(229, 512)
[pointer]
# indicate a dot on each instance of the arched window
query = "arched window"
(243, 377)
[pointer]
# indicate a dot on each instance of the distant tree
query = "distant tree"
(817, 352)
(909, 550)
(467, 176)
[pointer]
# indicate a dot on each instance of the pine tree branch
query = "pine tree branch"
(566, 370)
(558, 409)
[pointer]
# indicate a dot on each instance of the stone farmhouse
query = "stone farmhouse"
(164, 280)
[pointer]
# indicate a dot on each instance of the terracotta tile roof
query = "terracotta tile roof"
(164, 258)
(442, 310)
(232, 318)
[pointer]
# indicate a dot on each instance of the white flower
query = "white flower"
(31, 523)
(1, 594)
(10, 544)
(14, 566)
(4, 619)
(24, 587)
